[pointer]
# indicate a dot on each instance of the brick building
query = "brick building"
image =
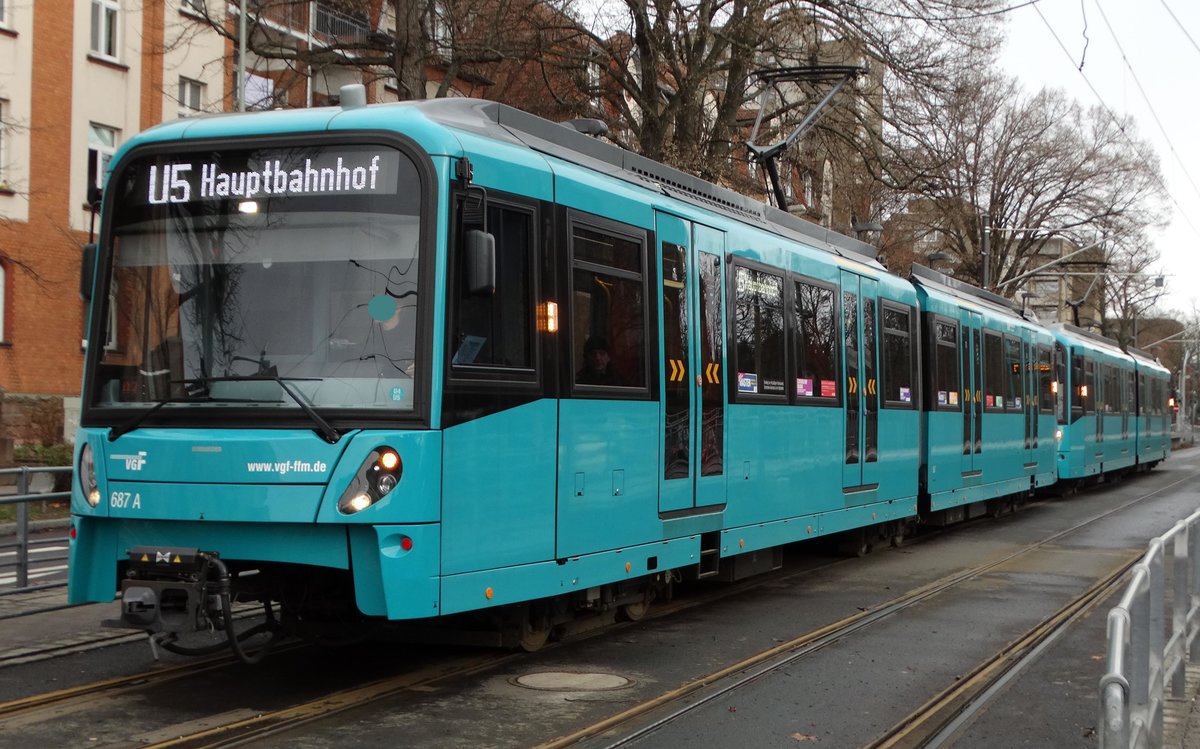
(77, 79)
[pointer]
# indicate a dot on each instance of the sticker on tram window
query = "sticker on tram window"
(747, 382)
(804, 387)
(999, 401)
(942, 397)
(828, 388)
(1016, 403)
(990, 401)
(953, 396)
(906, 395)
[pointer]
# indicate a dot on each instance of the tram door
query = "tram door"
(692, 369)
(860, 355)
(970, 347)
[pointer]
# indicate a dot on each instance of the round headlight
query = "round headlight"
(386, 483)
(357, 503)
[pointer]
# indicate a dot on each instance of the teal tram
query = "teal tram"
(370, 364)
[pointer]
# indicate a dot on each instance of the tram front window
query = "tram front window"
(214, 297)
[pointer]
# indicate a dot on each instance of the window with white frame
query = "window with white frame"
(193, 6)
(102, 144)
(593, 82)
(191, 96)
(105, 22)
(3, 13)
(260, 91)
(440, 33)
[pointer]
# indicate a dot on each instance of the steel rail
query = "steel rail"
(935, 722)
(737, 675)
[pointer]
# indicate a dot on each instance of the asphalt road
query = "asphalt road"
(843, 695)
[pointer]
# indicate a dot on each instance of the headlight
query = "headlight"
(378, 476)
(87, 475)
(1058, 435)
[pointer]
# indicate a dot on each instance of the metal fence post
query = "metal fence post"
(1157, 638)
(23, 530)
(1180, 604)
(1194, 588)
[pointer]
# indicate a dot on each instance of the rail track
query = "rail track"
(926, 726)
(933, 722)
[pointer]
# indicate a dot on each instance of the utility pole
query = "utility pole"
(241, 61)
(985, 223)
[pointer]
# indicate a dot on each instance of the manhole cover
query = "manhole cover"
(565, 681)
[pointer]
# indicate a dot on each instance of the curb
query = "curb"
(37, 525)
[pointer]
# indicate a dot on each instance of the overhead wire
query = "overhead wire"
(1178, 23)
(1146, 98)
(1117, 121)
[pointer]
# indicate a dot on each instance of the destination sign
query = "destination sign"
(352, 170)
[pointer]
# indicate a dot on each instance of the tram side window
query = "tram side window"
(758, 332)
(1089, 384)
(497, 330)
(1078, 386)
(815, 344)
(897, 358)
(1015, 392)
(946, 382)
(608, 308)
(994, 378)
(1112, 392)
(1061, 403)
(1045, 379)
(1128, 405)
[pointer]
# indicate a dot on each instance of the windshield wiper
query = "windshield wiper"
(324, 429)
(136, 421)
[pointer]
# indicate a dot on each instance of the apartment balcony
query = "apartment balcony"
(332, 27)
(329, 26)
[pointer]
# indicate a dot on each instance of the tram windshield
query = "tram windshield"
(238, 276)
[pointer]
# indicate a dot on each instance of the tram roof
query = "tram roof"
(502, 122)
(932, 279)
(1109, 344)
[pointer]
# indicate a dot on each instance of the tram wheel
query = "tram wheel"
(536, 629)
(534, 637)
(635, 612)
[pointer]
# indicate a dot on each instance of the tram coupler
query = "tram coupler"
(169, 589)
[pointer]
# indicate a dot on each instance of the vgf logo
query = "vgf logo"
(133, 462)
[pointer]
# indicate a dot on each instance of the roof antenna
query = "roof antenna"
(353, 96)
(768, 156)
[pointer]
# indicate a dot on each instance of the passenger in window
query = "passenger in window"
(597, 365)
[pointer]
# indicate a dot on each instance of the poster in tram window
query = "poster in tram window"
(747, 382)
(804, 387)
(828, 389)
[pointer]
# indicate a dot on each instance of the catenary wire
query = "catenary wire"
(1120, 126)
(1146, 98)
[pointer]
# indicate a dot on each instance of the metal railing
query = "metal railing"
(21, 553)
(1142, 659)
(329, 24)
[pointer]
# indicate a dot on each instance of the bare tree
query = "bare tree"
(1038, 165)
(409, 42)
(678, 80)
(1131, 289)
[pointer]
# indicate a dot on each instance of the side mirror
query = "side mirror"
(87, 271)
(480, 262)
